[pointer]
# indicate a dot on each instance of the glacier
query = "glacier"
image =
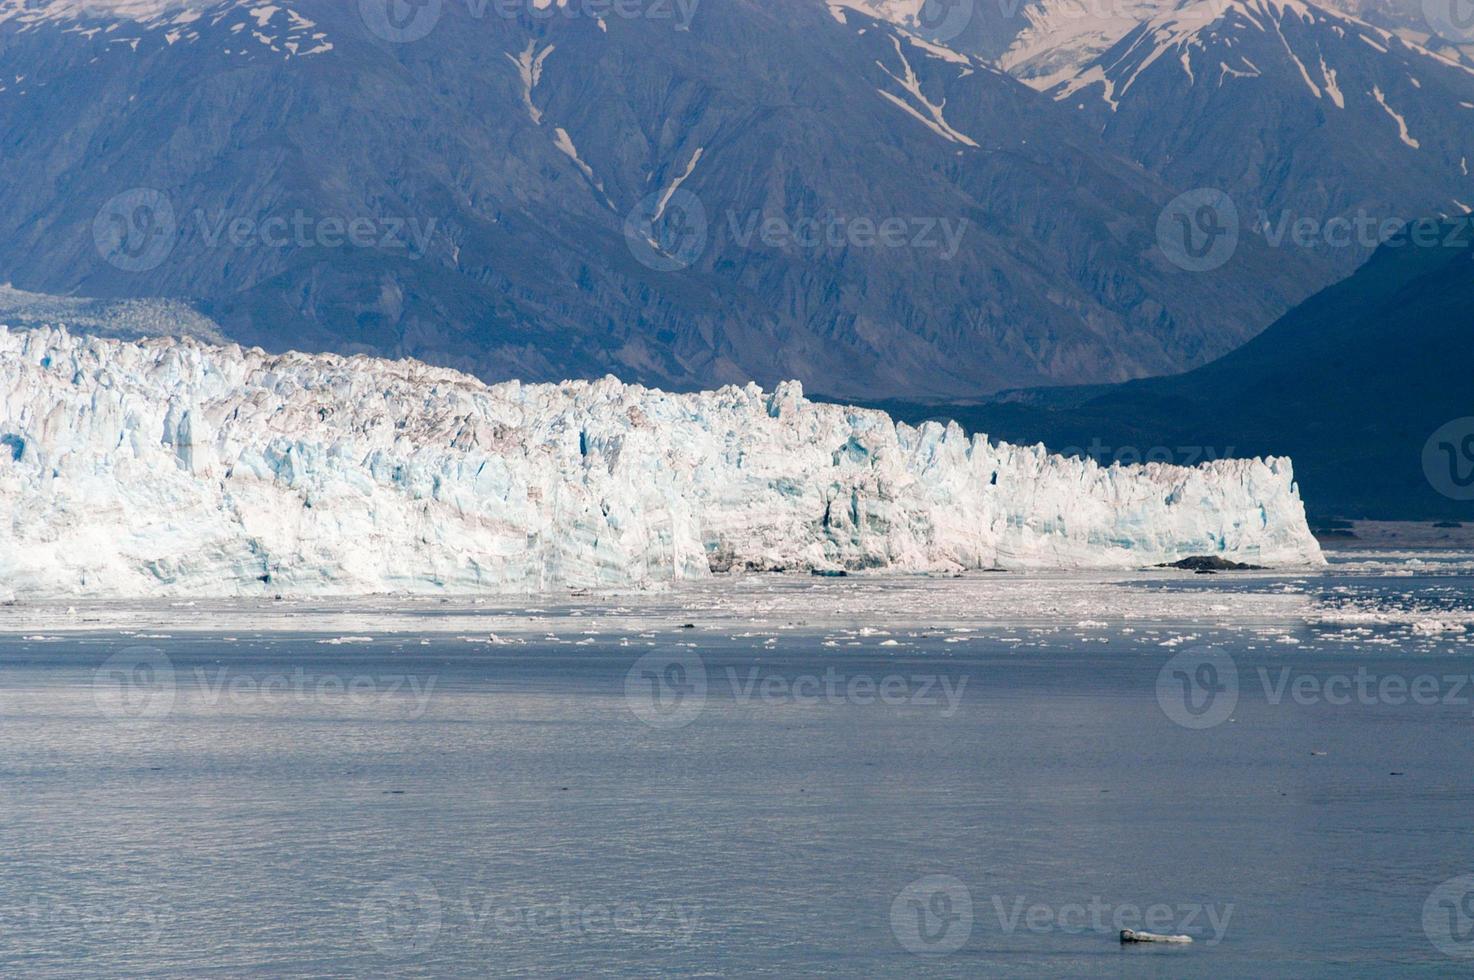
(172, 467)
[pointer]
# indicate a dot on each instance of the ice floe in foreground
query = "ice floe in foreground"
(174, 467)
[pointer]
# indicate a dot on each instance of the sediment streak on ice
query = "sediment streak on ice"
(174, 467)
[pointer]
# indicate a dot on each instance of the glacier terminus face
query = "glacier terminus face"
(172, 467)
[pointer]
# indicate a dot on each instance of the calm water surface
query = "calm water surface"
(889, 803)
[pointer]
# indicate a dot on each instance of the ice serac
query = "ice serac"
(175, 467)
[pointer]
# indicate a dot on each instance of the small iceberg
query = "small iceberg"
(1132, 936)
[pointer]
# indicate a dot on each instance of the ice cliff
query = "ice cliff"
(174, 467)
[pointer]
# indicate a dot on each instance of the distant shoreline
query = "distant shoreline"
(1360, 535)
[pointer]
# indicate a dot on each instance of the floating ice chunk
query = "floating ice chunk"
(1132, 936)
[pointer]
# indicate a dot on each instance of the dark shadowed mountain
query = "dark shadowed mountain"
(686, 196)
(1368, 386)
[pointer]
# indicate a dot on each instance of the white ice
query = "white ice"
(172, 467)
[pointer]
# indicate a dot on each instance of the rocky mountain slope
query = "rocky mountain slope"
(1299, 114)
(1369, 386)
(1319, 128)
(689, 195)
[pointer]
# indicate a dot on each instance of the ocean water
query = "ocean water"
(772, 777)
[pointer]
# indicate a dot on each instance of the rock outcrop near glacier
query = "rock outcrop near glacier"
(170, 467)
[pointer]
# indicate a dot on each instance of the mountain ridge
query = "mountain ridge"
(545, 152)
(1355, 384)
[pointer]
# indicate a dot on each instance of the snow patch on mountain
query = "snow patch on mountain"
(1064, 36)
(174, 467)
(142, 11)
(907, 16)
(273, 26)
(1208, 28)
(530, 70)
(921, 108)
(1402, 130)
(904, 13)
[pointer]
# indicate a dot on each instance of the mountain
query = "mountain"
(984, 29)
(689, 196)
(1045, 42)
(174, 467)
(1060, 38)
(1296, 113)
(1368, 386)
(1318, 128)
